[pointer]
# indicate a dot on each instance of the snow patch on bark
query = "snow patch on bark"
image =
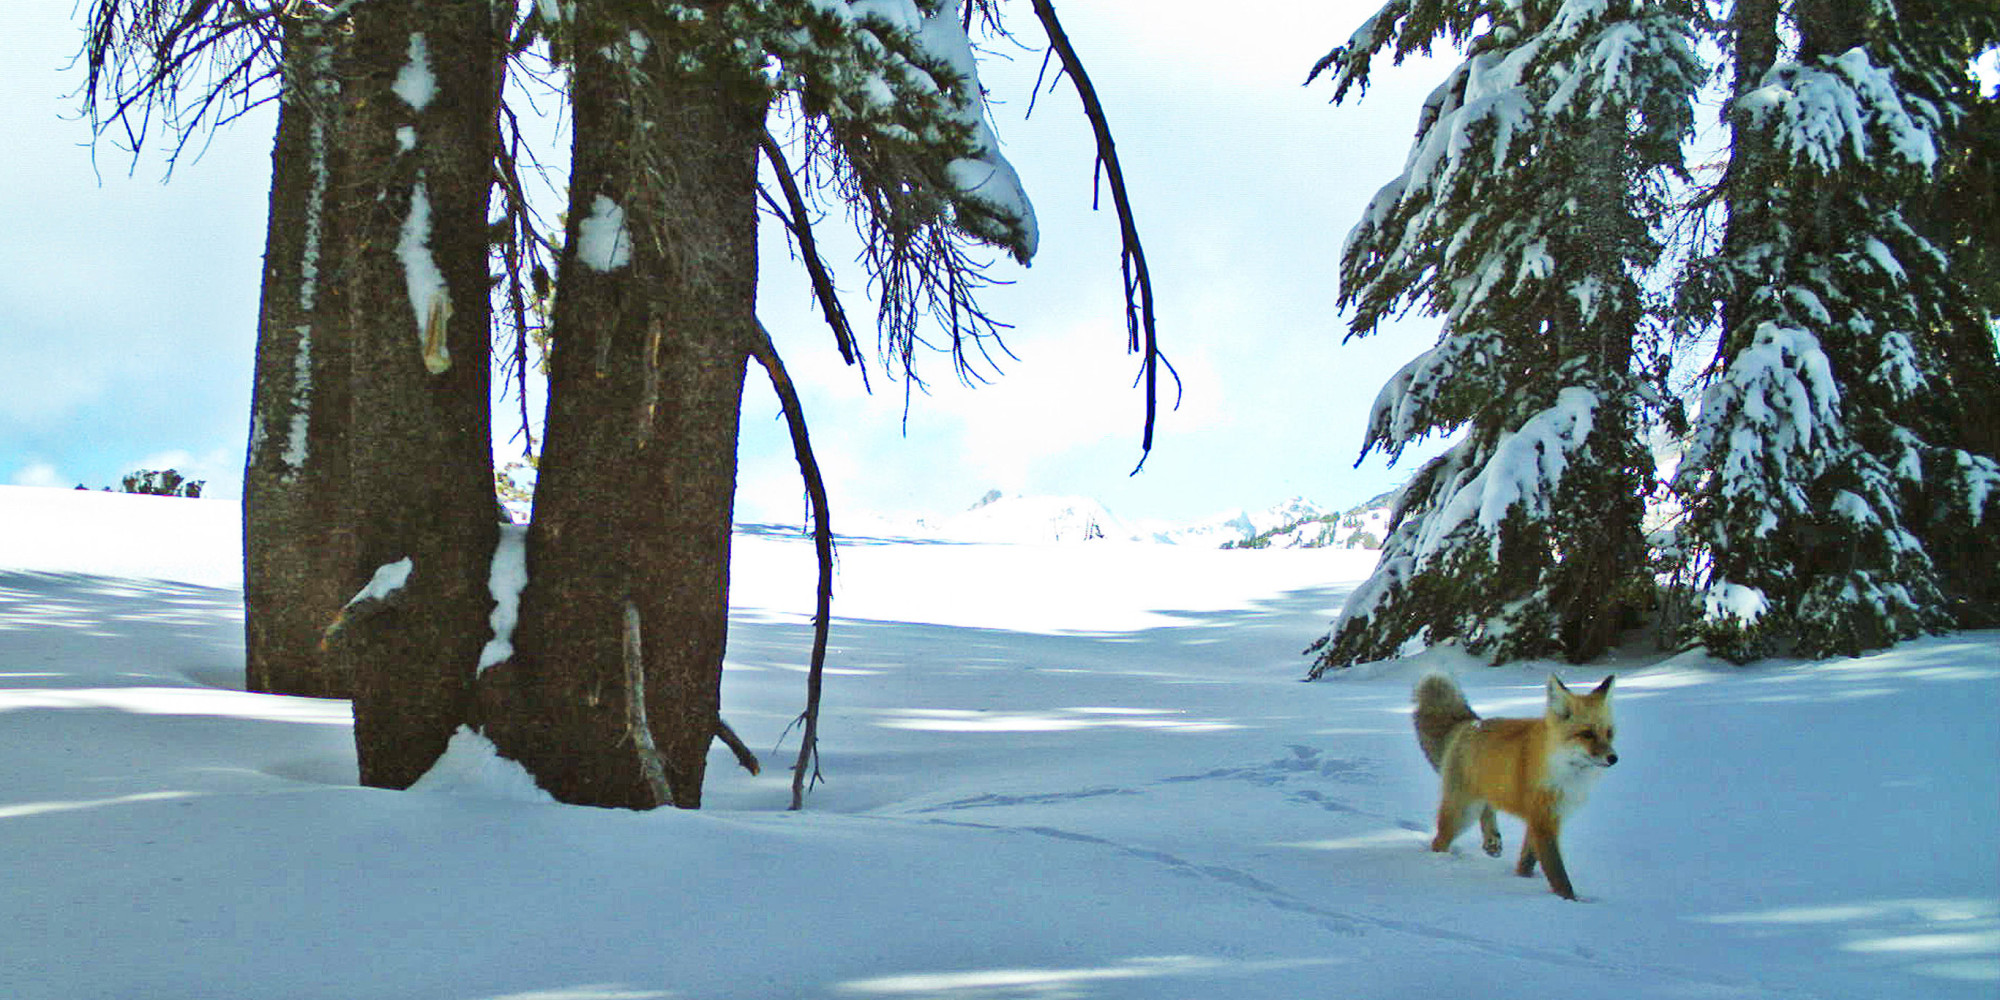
(430, 299)
(505, 581)
(415, 83)
(387, 580)
(295, 443)
(603, 244)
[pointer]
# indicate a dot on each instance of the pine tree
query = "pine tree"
(655, 321)
(1839, 472)
(419, 104)
(1523, 220)
(180, 68)
(371, 471)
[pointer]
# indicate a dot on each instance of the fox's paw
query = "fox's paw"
(1491, 845)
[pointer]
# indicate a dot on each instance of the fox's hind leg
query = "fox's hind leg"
(1489, 832)
(1454, 813)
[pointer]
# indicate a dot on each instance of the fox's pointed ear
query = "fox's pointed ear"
(1559, 697)
(1604, 688)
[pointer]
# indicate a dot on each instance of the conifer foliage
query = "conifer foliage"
(1837, 477)
(1522, 220)
(1832, 484)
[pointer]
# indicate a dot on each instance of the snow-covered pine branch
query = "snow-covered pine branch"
(895, 120)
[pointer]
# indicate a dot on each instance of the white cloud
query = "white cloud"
(38, 474)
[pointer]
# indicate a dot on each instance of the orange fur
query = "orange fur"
(1538, 769)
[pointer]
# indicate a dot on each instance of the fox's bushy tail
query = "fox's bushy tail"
(1441, 708)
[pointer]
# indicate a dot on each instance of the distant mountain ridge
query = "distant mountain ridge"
(1363, 526)
(1293, 524)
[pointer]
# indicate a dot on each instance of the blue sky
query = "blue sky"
(128, 307)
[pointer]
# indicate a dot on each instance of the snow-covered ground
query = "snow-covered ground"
(1081, 771)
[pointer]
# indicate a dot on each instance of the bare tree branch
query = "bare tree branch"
(798, 221)
(526, 256)
(1139, 314)
(188, 66)
(637, 729)
(766, 353)
(745, 758)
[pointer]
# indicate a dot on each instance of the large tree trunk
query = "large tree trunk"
(423, 98)
(299, 559)
(1753, 189)
(1600, 554)
(634, 501)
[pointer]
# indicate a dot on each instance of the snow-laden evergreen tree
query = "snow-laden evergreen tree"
(1840, 479)
(1523, 220)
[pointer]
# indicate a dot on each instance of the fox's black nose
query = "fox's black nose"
(1610, 759)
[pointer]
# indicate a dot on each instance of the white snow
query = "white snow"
(1522, 470)
(1054, 773)
(987, 176)
(430, 297)
(1843, 108)
(1980, 478)
(1779, 391)
(388, 578)
(315, 219)
(505, 581)
(92, 533)
(295, 444)
(1042, 519)
(327, 85)
(603, 244)
(473, 768)
(415, 83)
(296, 447)
(1734, 600)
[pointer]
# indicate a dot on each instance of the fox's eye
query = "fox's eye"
(1586, 734)
(1607, 734)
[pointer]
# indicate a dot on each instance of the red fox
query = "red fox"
(1538, 769)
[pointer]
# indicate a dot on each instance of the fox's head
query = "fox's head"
(1582, 723)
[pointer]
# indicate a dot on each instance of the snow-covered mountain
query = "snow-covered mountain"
(1362, 526)
(1002, 517)
(998, 517)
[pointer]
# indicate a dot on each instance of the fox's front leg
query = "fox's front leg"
(1542, 845)
(1489, 832)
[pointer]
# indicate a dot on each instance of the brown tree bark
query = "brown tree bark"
(421, 104)
(637, 483)
(300, 563)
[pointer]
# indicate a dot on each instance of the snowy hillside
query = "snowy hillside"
(1363, 526)
(1055, 772)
